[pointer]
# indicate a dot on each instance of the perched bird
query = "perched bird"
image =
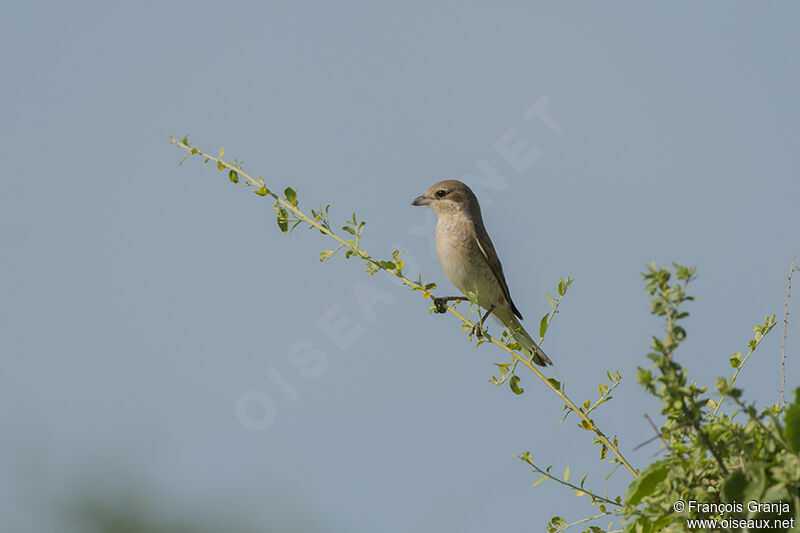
(469, 260)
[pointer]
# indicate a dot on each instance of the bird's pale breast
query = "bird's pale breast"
(463, 262)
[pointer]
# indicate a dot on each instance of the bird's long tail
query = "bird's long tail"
(527, 343)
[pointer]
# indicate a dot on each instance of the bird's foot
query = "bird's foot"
(440, 304)
(477, 329)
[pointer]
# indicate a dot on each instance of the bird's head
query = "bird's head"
(448, 196)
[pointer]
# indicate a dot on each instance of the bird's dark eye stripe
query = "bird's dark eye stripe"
(441, 192)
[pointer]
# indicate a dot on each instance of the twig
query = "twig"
(587, 519)
(783, 342)
(760, 337)
(699, 429)
(550, 317)
(660, 434)
(527, 458)
(669, 447)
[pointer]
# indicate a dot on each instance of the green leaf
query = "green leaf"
(233, 176)
(263, 191)
(733, 487)
(549, 299)
(757, 483)
(566, 473)
(792, 430)
(561, 287)
(283, 220)
(543, 325)
(291, 196)
(538, 481)
(736, 360)
(349, 230)
(646, 482)
(513, 383)
(325, 255)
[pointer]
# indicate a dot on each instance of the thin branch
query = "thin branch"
(526, 458)
(661, 434)
(550, 317)
(783, 342)
(702, 434)
(263, 191)
(587, 519)
(679, 456)
(760, 337)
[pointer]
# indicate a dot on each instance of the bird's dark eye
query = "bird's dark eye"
(441, 193)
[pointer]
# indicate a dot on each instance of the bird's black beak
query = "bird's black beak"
(421, 200)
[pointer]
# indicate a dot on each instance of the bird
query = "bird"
(470, 261)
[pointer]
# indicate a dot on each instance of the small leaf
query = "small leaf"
(513, 383)
(566, 474)
(233, 176)
(325, 255)
(349, 230)
(538, 481)
(221, 152)
(283, 220)
(291, 196)
(549, 300)
(543, 325)
(561, 287)
(263, 191)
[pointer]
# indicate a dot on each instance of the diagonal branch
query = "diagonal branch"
(785, 323)
(587, 423)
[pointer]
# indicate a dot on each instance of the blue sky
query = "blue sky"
(142, 300)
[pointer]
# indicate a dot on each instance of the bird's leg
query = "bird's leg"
(441, 303)
(477, 329)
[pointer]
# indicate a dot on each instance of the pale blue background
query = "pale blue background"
(141, 299)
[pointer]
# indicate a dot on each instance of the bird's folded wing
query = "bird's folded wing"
(487, 249)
